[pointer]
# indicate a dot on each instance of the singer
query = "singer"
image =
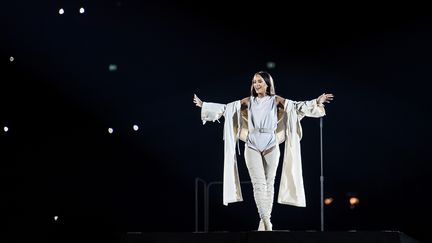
(263, 121)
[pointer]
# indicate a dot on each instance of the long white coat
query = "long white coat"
(291, 189)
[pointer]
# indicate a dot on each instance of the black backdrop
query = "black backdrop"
(59, 97)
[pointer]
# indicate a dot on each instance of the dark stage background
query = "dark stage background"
(124, 63)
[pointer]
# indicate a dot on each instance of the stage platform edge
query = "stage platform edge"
(272, 237)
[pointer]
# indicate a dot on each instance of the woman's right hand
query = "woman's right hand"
(197, 101)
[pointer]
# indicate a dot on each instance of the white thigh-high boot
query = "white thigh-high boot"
(271, 161)
(255, 165)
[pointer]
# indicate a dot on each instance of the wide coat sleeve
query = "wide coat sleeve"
(309, 108)
(231, 111)
(212, 111)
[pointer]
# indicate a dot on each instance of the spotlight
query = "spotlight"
(110, 130)
(112, 67)
(6, 129)
(328, 200)
(11, 59)
(353, 200)
(61, 11)
(135, 127)
(81, 10)
(271, 65)
(55, 218)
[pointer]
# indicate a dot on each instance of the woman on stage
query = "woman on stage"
(263, 121)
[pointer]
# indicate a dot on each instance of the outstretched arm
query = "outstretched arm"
(310, 108)
(214, 111)
(209, 111)
(315, 107)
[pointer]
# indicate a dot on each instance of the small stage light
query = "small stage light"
(271, 65)
(354, 201)
(6, 129)
(112, 67)
(328, 200)
(81, 10)
(61, 11)
(110, 130)
(55, 218)
(135, 127)
(11, 59)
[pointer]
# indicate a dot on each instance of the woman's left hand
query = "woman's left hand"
(324, 98)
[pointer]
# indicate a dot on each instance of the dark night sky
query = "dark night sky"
(59, 98)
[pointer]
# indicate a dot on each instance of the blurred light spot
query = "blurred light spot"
(112, 67)
(6, 129)
(271, 65)
(61, 11)
(328, 200)
(354, 201)
(81, 10)
(55, 218)
(110, 130)
(135, 127)
(11, 59)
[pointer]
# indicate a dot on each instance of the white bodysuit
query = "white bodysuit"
(262, 123)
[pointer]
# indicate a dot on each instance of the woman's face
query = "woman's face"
(259, 84)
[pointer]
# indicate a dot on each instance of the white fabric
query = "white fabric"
(291, 189)
(231, 180)
(262, 114)
(262, 171)
(211, 111)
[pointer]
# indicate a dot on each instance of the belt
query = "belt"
(262, 130)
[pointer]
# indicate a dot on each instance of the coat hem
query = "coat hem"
(226, 203)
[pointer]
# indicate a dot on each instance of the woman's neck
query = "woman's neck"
(262, 95)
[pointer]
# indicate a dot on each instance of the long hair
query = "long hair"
(268, 80)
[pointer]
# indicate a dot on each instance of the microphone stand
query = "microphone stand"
(322, 176)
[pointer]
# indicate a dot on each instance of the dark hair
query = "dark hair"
(268, 80)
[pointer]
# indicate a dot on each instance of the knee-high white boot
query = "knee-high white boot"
(270, 199)
(262, 203)
(266, 208)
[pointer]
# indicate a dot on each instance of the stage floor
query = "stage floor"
(273, 236)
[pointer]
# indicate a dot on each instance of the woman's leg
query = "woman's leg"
(271, 161)
(255, 165)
